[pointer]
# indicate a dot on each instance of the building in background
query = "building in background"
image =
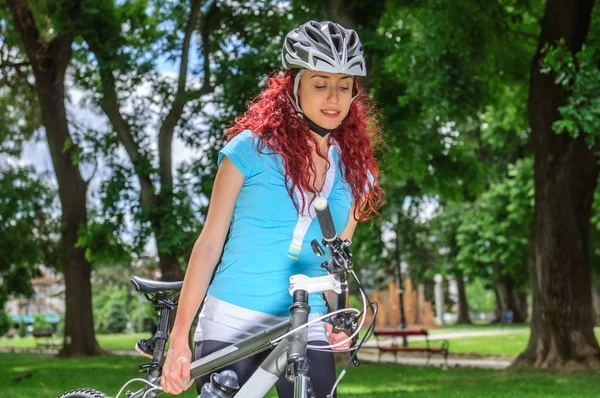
(48, 300)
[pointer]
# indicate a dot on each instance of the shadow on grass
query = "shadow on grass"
(51, 376)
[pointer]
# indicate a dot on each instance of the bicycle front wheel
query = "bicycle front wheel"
(83, 393)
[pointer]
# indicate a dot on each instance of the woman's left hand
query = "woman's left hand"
(334, 338)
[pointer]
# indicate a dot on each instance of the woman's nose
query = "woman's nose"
(334, 96)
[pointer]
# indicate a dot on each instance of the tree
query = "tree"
(47, 49)
(28, 231)
(494, 234)
(566, 175)
(445, 227)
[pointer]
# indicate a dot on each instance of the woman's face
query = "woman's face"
(325, 98)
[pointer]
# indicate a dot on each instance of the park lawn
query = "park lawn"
(509, 343)
(51, 376)
(106, 341)
(476, 327)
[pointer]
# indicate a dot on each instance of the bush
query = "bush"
(143, 317)
(60, 326)
(5, 323)
(22, 329)
(104, 303)
(116, 319)
(41, 325)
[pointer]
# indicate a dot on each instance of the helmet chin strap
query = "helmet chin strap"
(311, 125)
(315, 127)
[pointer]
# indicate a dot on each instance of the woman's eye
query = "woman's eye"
(345, 88)
(320, 87)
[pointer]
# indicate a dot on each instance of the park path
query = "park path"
(371, 355)
(369, 352)
(459, 334)
(447, 336)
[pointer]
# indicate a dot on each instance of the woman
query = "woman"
(304, 136)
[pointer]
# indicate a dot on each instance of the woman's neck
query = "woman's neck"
(323, 143)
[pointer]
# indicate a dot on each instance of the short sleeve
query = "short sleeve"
(242, 150)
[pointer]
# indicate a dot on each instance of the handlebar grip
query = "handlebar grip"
(325, 220)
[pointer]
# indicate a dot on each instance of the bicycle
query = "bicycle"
(288, 339)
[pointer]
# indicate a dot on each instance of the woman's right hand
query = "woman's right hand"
(176, 370)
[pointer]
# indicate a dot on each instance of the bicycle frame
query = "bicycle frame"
(288, 353)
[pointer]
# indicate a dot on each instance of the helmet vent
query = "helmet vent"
(324, 46)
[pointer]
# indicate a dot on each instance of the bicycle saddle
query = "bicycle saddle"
(146, 285)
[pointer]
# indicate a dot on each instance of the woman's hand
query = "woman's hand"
(176, 371)
(334, 338)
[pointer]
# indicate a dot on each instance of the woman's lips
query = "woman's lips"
(331, 115)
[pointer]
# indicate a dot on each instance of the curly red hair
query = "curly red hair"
(273, 119)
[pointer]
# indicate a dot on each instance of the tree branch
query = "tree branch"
(167, 129)
(38, 50)
(110, 106)
(25, 24)
(524, 34)
(185, 51)
(15, 65)
(207, 87)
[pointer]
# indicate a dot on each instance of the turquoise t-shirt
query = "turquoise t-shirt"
(269, 240)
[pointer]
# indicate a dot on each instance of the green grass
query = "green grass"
(51, 376)
(106, 341)
(510, 343)
(476, 327)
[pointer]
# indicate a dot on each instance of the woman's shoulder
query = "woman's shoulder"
(244, 151)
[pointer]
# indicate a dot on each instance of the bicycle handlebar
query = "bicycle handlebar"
(325, 220)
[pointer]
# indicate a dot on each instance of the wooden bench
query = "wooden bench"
(397, 343)
(43, 339)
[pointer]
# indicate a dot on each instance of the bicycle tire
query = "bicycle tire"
(83, 393)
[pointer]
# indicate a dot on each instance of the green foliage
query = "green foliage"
(60, 327)
(481, 300)
(143, 316)
(40, 324)
(497, 228)
(22, 329)
(6, 322)
(20, 116)
(108, 305)
(29, 230)
(580, 73)
(115, 319)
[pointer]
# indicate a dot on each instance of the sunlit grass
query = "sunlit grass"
(51, 376)
(106, 341)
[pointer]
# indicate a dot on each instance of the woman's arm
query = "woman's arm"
(204, 257)
(331, 296)
(347, 233)
(208, 247)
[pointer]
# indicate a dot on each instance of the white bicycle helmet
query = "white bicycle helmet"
(326, 47)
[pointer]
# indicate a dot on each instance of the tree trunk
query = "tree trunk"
(498, 308)
(566, 173)
(79, 338)
(521, 300)
(49, 62)
(463, 305)
(507, 299)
